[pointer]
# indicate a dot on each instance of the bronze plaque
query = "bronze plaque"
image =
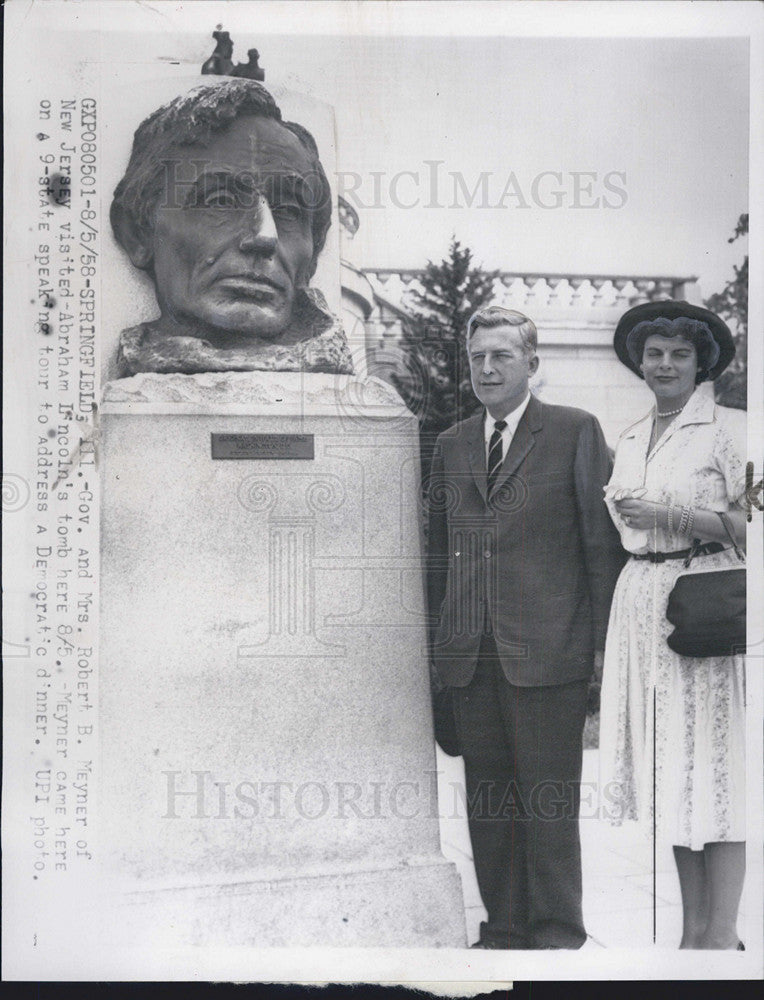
(249, 446)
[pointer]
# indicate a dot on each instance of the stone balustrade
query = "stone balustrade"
(533, 291)
(575, 314)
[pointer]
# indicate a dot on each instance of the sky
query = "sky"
(665, 121)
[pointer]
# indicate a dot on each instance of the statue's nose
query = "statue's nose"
(260, 234)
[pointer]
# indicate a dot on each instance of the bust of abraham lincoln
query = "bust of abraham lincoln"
(226, 207)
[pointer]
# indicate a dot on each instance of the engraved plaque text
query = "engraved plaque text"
(262, 446)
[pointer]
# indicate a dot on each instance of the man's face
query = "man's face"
(231, 247)
(500, 368)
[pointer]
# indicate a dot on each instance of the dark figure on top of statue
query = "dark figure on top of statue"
(227, 208)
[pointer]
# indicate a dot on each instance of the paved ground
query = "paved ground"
(617, 870)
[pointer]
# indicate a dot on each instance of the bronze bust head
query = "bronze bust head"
(227, 207)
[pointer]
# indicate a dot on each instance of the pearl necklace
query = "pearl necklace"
(669, 413)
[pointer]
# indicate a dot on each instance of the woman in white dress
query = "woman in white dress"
(672, 740)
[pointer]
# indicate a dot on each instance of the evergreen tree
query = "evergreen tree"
(732, 305)
(436, 383)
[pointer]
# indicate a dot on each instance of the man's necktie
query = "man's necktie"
(495, 456)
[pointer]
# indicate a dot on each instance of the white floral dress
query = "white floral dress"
(699, 731)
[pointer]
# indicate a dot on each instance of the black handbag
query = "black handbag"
(707, 610)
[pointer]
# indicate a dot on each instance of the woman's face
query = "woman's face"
(669, 365)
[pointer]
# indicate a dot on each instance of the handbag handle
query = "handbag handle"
(731, 535)
(696, 543)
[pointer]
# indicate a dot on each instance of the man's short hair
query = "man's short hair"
(492, 316)
(193, 119)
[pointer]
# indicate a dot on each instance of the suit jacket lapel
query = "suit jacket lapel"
(476, 452)
(522, 442)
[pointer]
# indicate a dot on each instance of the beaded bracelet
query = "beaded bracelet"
(671, 518)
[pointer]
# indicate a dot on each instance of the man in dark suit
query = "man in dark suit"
(523, 559)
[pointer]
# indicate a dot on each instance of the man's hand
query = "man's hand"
(599, 660)
(436, 684)
(595, 684)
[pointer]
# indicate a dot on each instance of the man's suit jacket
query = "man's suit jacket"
(540, 559)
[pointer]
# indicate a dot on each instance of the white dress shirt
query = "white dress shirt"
(512, 419)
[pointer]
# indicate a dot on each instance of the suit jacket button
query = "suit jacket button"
(487, 554)
(457, 553)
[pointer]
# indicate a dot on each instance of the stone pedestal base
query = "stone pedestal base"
(409, 906)
(268, 761)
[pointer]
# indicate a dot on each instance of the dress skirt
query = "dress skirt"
(672, 728)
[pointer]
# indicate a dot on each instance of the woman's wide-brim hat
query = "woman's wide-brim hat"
(673, 309)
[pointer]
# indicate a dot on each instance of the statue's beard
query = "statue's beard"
(312, 341)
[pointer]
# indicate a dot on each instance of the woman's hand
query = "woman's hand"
(643, 515)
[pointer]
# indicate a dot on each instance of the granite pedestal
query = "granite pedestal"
(268, 759)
